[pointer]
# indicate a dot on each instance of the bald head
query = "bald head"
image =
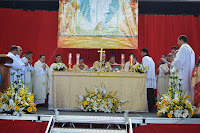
(19, 50)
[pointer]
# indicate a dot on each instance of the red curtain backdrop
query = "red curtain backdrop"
(168, 128)
(37, 31)
(17, 126)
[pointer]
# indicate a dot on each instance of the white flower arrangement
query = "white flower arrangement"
(100, 100)
(140, 68)
(174, 103)
(16, 100)
(60, 67)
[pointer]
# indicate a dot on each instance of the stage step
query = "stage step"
(82, 130)
(91, 119)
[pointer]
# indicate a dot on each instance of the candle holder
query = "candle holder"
(70, 68)
(131, 69)
(122, 63)
(77, 68)
(122, 69)
(100, 69)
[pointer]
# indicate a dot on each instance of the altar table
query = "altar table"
(129, 86)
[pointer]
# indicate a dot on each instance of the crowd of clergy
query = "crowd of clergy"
(180, 62)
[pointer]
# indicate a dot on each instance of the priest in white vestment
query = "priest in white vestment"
(50, 100)
(173, 71)
(23, 70)
(15, 66)
(40, 82)
(127, 64)
(150, 79)
(163, 78)
(184, 63)
(29, 70)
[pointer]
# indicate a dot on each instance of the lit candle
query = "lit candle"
(77, 58)
(70, 58)
(122, 59)
(131, 60)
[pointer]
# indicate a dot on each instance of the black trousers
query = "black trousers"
(151, 97)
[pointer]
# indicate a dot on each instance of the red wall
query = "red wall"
(37, 31)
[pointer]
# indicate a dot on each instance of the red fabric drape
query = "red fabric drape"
(168, 128)
(37, 31)
(17, 126)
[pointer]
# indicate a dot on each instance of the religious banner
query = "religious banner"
(110, 24)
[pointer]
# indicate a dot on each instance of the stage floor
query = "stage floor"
(141, 118)
(43, 110)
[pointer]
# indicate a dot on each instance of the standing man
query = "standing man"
(173, 50)
(23, 69)
(29, 69)
(184, 63)
(40, 85)
(163, 78)
(150, 79)
(50, 100)
(15, 66)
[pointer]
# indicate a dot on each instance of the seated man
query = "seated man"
(97, 63)
(81, 66)
(127, 64)
(111, 61)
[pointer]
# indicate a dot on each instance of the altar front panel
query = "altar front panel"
(129, 86)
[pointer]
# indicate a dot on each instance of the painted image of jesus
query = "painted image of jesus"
(98, 18)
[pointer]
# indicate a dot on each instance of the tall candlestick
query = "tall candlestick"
(122, 63)
(131, 60)
(77, 58)
(122, 59)
(70, 58)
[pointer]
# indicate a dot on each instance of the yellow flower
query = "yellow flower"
(175, 101)
(169, 115)
(31, 97)
(106, 95)
(9, 94)
(186, 97)
(99, 96)
(158, 113)
(112, 95)
(91, 95)
(117, 105)
(191, 113)
(23, 98)
(85, 103)
(164, 96)
(17, 108)
(29, 109)
(9, 107)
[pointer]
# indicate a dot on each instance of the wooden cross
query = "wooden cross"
(101, 52)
